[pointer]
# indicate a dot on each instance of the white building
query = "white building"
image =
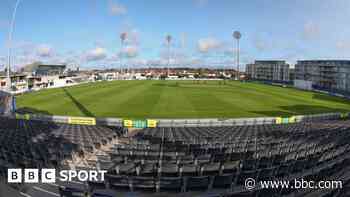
(269, 70)
(329, 75)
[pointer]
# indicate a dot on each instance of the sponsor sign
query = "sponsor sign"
(151, 123)
(127, 123)
(139, 124)
(82, 121)
(344, 115)
(23, 116)
(292, 119)
(279, 120)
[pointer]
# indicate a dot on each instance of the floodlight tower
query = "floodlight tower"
(237, 35)
(8, 69)
(123, 37)
(168, 40)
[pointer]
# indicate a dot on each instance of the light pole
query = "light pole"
(168, 39)
(237, 35)
(12, 25)
(123, 37)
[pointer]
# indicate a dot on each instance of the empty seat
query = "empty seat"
(71, 192)
(202, 159)
(230, 167)
(264, 162)
(105, 165)
(147, 169)
(126, 169)
(219, 157)
(189, 170)
(298, 166)
(118, 182)
(210, 169)
(223, 181)
(170, 184)
(143, 183)
(243, 175)
(93, 185)
(169, 170)
(266, 174)
(104, 193)
(282, 171)
(249, 164)
(197, 183)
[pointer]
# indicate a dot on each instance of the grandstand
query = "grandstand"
(177, 161)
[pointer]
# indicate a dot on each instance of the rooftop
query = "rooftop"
(324, 61)
(270, 62)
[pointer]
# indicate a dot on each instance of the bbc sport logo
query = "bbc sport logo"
(50, 176)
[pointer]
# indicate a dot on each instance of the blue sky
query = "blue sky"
(86, 32)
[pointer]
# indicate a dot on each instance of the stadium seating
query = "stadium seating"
(208, 160)
(36, 144)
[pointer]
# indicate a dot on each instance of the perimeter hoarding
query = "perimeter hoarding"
(139, 124)
(286, 120)
(82, 121)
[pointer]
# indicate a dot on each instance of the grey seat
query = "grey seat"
(197, 183)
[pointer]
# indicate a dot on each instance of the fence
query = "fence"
(212, 122)
(247, 121)
(181, 122)
(72, 120)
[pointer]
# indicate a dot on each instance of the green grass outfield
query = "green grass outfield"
(179, 99)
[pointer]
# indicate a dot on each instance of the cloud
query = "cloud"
(44, 51)
(207, 44)
(96, 54)
(311, 31)
(116, 8)
(130, 51)
(25, 52)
